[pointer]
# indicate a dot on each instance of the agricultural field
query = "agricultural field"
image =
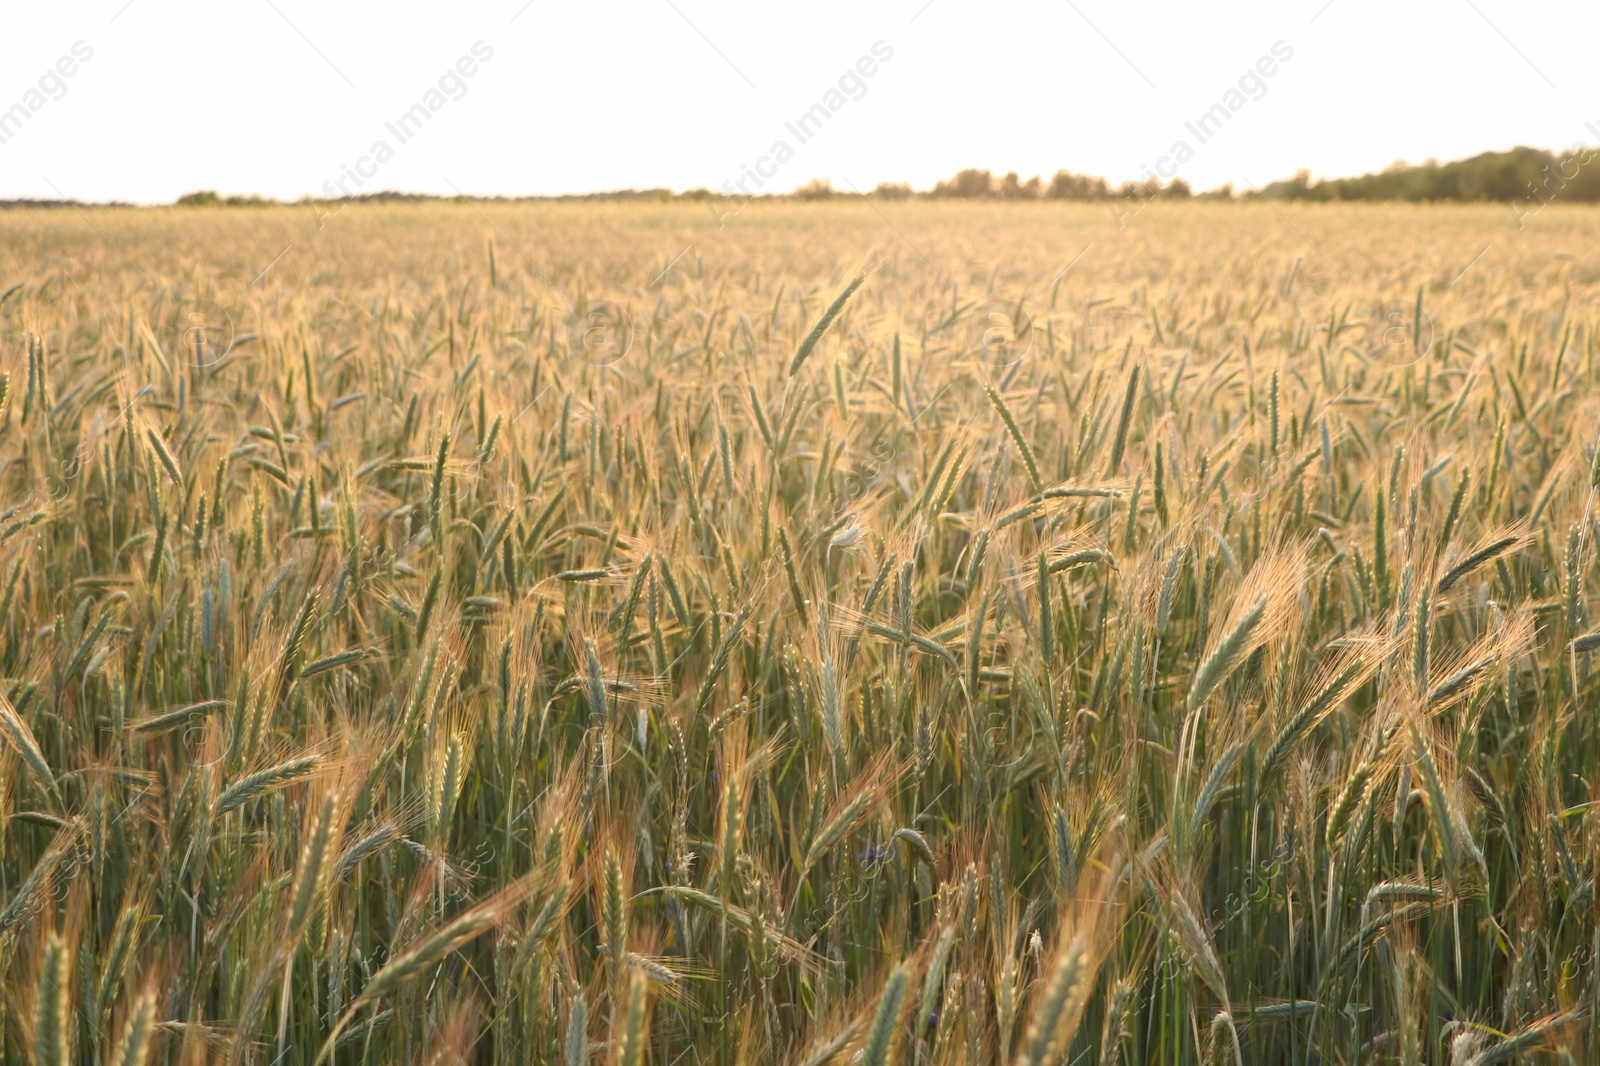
(863, 632)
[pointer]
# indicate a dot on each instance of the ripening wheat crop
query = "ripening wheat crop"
(838, 632)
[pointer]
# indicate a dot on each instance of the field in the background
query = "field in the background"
(509, 634)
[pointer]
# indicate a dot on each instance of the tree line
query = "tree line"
(1522, 174)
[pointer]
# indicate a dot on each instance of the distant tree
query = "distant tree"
(815, 189)
(888, 190)
(967, 185)
(1295, 188)
(1140, 190)
(1521, 175)
(1013, 188)
(975, 184)
(209, 198)
(1068, 186)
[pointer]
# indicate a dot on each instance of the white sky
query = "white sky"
(277, 96)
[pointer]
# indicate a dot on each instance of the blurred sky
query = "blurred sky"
(278, 97)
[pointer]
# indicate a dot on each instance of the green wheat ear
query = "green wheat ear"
(806, 346)
(1017, 438)
(879, 1047)
(138, 1034)
(577, 1042)
(1129, 399)
(1215, 668)
(635, 1033)
(52, 1033)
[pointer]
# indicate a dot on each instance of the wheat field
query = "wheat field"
(811, 632)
